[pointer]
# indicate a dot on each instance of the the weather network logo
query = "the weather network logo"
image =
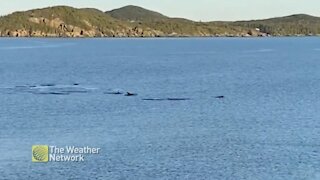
(46, 153)
(40, 153)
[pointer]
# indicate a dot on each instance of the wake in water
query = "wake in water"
(166, 99)
(48, 88)
(36, 46)
(259, 51)
(75, 88)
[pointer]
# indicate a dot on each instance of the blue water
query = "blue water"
(60, 92)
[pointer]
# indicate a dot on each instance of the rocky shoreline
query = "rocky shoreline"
(39, 34)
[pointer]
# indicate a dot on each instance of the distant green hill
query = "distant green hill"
(135, 13)
(133, 21)
(299, 24)
(145, 19)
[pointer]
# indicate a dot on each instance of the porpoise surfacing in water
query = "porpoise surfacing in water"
(130, 94)
(219, 97)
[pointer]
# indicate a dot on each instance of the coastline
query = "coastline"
(157, 37)
(137, 22)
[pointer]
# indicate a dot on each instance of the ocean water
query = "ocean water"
(71, 92)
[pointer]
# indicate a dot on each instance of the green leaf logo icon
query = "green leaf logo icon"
(40, 153)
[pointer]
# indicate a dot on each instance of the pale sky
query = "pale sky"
(205, 10)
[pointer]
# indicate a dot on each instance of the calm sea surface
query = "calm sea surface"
(64, 92)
